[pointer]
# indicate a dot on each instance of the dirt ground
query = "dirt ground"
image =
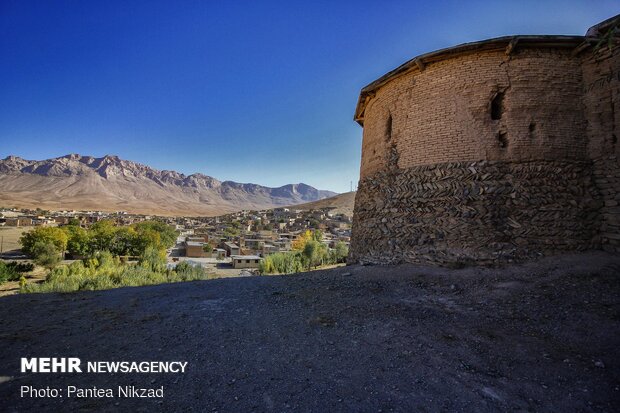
(543, 336)
(9, 237)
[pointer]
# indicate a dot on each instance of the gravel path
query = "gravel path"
(544, 336)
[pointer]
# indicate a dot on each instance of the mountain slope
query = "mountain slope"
(341, 203)
(110, 184)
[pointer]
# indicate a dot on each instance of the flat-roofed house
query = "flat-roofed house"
(19, 222)
(218, 253)
(194, 249)
(231, 249)
(245, 261)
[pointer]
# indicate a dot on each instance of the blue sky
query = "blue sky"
(251, 91)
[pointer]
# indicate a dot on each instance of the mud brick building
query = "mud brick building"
(493, 151)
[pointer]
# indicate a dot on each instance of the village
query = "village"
(227, 245)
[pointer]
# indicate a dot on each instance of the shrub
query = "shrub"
(106, 271)
(7, 273)
(46, 254)
(186, 271)
(282, 263)
(21, 266)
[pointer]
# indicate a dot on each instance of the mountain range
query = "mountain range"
(113, 184)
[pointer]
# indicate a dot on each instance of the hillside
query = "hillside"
(112, 184)
(542, 336)
(342, 203)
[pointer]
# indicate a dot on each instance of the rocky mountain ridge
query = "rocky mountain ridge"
(112, 183)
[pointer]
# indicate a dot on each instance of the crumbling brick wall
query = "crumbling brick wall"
(601, 74)
(444, 113)
(490, 157)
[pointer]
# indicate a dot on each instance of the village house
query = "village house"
(19, 222)
(218, 253)
(254, 244)
(245, 261)
(231, 248)
(195, 249)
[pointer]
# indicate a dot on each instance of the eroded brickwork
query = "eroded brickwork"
(601, 73)
(491, 156)
(443, 113)
(484, 212)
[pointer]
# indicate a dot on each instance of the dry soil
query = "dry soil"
(543, 336)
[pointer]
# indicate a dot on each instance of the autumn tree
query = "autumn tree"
(300, 241)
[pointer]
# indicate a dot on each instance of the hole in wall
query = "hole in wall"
(614, 139)
(388, 128)
(532, 130)
(502, 138)
(497, 106)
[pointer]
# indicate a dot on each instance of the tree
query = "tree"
(74, 222)
(102, 233)
(46, 254)
(341, 251)
(167, 234)
(45, 235)
(207, 248)
(154, 259)
(125, 242)
(313, 253)
(300, 241)
(147, 238)
(78, 240)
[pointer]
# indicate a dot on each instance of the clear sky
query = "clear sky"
(251, 91)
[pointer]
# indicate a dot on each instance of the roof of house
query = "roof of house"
(419, 63)
(245, 257)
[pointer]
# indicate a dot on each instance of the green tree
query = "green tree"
(45, 235)
(125, 242)
(46, 254)
(341, 251)
(313, 253)
(154, 259)
(78, 240)
(147, 238)
(101, 235)
(207, 248)
(167, 234)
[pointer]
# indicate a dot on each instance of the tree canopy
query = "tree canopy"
(102, 236)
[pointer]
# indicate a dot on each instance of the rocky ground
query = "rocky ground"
(543, 336)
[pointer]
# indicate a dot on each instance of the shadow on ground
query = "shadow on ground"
(537, 337)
